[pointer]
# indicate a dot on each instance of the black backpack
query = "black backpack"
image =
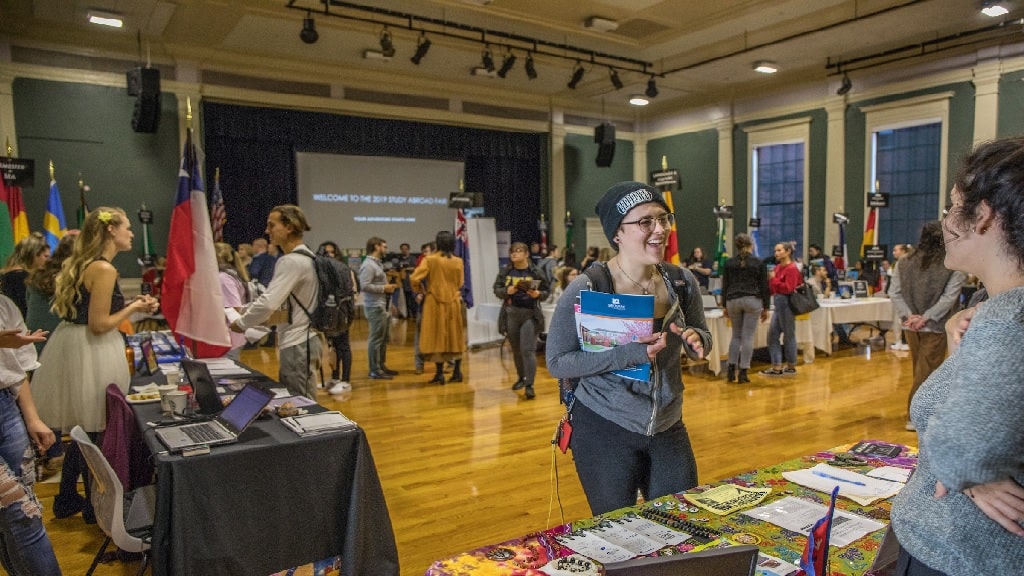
(335, 309)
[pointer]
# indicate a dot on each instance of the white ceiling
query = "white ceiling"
(702, 50)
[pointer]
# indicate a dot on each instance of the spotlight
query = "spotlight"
(639, 100)
(652, 88)
(577, 75)
(616, 81)
(309, 34)
(387, 47)
(422, 46)
(844, 86)
(487, 60)
(507, 64)
(766, 67)
(531, 70)
(993, 9)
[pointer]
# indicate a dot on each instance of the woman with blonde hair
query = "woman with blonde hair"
(29, 254)
(234, 285)
(86, 351)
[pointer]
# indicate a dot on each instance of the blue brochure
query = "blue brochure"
(604, 321)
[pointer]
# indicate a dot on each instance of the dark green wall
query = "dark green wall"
(1011, 105)
(87, 130)
(585, 182)
(961, 136)
(695, 155)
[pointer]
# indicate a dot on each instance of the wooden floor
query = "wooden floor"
(463, 465)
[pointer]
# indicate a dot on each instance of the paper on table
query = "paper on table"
(891, 473)
(620, 539)
(858, 487)
(727, 498)
(800, 515)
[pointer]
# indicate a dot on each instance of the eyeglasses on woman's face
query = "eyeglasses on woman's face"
(646, 224)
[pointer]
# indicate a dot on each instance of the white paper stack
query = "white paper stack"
(318, 423)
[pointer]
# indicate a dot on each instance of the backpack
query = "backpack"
(335, 309)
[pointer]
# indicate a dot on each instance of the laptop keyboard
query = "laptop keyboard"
(202, 433)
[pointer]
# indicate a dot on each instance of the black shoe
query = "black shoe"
(65, 507)
(529, 393)
(789, 370)
(772, 372)
(742, 379)
(389, 371)
(730, 374)
(380, 376)
(520, 384)
(456, 377)
(437, 379)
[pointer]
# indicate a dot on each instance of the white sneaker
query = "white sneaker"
(894, 346)
(904, 347)
(338, 387)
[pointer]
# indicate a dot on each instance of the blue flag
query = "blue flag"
(462, 251)
(54, 225)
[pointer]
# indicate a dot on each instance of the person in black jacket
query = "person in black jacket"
(522, 287)
(747, 298)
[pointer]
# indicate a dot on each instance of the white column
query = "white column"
(640, 172)
(556, 220)
(7, 130)
(986, 101)
(835, 167)
(726, 159)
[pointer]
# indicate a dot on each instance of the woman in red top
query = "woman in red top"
(782, 281)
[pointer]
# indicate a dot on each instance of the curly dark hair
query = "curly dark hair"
(931, 249)
(994, 173)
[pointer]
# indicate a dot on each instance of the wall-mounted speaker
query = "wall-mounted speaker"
(144, 84)
(143, 81)
(604, 136)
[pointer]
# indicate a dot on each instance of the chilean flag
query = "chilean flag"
(191, 297)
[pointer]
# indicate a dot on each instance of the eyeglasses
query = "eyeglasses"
(646, 223)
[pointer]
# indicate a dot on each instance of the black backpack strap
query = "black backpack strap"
(600, 277)
(316, 274)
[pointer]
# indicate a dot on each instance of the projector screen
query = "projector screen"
(349, 199)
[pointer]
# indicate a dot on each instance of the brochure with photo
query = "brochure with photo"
(604, 321)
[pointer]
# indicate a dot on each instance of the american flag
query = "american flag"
(218, 216)
(462, 251)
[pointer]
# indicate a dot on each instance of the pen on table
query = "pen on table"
(831, 477)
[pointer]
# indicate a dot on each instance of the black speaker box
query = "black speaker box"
(146, 116)
(604, 135)
(143, 81)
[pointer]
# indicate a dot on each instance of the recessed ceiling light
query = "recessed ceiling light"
(600, 24)
(639, 100)
(104, 18)
(994, 9)
(766, 67)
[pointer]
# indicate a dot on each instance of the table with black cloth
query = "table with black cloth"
(272, 501)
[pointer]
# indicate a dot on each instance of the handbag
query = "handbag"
(802, 300)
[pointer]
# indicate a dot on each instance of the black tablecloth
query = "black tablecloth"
(270, 502)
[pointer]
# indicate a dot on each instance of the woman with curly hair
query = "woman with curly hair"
(29, 254)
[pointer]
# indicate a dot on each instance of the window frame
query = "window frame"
(793, 131)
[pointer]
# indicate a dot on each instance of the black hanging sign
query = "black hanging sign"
(878, 200)
(754, 223)
(664, 179)
(876, 252)
(18, 172)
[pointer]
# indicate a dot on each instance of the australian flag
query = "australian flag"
(462, 251)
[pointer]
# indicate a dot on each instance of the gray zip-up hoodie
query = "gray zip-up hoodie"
(642, 407)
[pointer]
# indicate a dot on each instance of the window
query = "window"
(778, 191)
(907, 164)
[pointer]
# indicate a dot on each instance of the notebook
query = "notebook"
(224, 429)
(203, 386)
(728, 561)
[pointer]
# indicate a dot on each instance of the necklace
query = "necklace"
(646, 289)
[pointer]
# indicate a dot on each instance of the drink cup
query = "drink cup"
(178, 401)
(165, 405)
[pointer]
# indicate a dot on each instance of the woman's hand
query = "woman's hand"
(17, 338)
(690, 338)
(1002, 501)
(764, 314)
(957, 325)
(40, 433)
(655, 343)
(145, 304)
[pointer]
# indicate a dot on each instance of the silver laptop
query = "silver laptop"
(224, 429)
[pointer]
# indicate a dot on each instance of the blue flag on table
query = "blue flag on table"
(462, 251)
(54, 225)
(814, 561)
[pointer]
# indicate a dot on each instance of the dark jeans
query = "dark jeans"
(343, 352)
(613, 463)
(522, 334)
(907, 565)
(783, 325)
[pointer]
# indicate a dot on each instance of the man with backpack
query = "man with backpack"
(293, 289)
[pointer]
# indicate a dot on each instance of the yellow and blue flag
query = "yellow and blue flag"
(54, 225)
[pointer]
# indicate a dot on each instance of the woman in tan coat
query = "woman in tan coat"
(442, 333)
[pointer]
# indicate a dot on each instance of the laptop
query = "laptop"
(224, 429)
(198, 374)
(728, 561)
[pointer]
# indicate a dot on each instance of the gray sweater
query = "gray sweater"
(971, 431)
(641, 407)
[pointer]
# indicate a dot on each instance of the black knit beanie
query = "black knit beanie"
(620, 199)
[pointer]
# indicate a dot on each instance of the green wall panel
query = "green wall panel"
(695, 155)
(1011, 105)
(585, 182)
(86, 130)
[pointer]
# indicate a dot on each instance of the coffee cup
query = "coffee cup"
(173, 377)
(177, 400)
(164, 389)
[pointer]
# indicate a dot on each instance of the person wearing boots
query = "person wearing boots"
(522, 287)
(747, 301)
(440, 277)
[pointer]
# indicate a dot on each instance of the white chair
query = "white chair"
(129, 531)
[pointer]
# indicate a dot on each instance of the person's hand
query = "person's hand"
(655, 343)
(725, 312)
(512, 289)
(17, 338)
(534, 294)
(1002, 501)
(236, 328)
(957, 325)
(40, 433)
(145, 304)
(389, 288)
(690, 338)
(764, 315)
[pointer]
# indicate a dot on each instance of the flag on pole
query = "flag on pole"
(54, 225)
(191, 296)
(870, 228)
(721, 250)
(840, 261)
(16, 206)
(672, 243)
(217, 214)
(462, 251)
(83, 208)
(6, 225)
(756, 239)
(814, 561)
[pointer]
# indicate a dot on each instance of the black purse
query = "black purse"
(802, 300)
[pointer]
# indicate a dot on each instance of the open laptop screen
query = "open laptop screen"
(245, 407)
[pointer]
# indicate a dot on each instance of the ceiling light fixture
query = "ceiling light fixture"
(600, 24)
(387, 47)
(309, 34)
(105, 18)
(507, 64)
(652, 88)
(375, 55)
(766, 67)
(422, 46)
(531, 69)
(639, 100)
(487, 60)
(613, 75)
(481, 71)
(845, 86)
(994, 9)
(577, 75)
